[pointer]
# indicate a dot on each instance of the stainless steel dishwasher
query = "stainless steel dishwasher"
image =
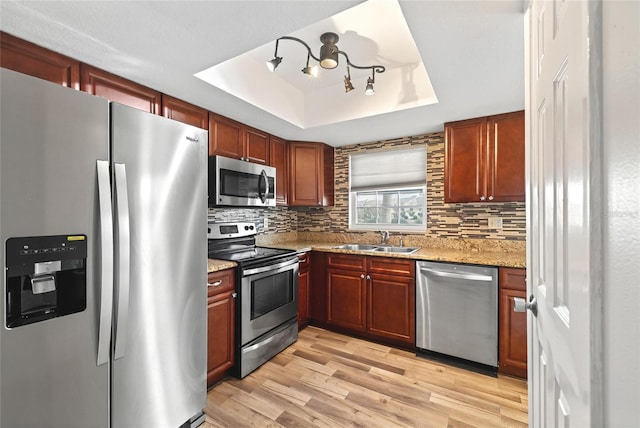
(457, 312)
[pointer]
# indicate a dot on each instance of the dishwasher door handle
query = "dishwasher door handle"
(465, 276)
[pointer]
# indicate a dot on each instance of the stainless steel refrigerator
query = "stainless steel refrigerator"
(103, 225)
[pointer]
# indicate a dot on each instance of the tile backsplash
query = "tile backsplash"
(443, 220)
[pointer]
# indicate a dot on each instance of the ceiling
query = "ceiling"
(473, 51)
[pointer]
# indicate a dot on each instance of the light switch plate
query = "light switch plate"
(495, 223)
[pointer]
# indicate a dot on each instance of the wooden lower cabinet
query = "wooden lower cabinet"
(372, 296)
(391, 307)
(346, 299)
(513, 325)
(220, 325)
(303, 289)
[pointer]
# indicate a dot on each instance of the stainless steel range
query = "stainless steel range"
(267, 287)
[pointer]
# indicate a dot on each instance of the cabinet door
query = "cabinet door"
(346, 299)
(225, 137)
(24, 57)
(513, 325)
(303, 298)
(505, 175)
(465, 158)
(391, 307)
(114, 88)
(256, 146)
(220, 336)
(279, 159)
(184, 112)
(305, 180)
(303, 289)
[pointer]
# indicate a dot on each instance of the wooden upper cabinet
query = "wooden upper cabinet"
(114, 88)
(484, 159)
(236, 140)
(24, 57)
(279, 159)
(256, 146)
(225, 137)
(310, 174)
(184, 112)
(505, 176)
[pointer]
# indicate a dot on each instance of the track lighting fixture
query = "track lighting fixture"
(328, 59)
(347, 81)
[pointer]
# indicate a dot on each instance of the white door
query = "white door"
(564, 196)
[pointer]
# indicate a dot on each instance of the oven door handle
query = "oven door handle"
(269, 268)
(258, 345)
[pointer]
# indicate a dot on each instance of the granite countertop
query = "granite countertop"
(217, 265)
(488, 258)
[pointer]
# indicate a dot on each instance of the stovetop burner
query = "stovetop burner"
(236, 242)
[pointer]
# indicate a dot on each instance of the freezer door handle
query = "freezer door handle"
(122, 262)
(465, 276)
(106, 261)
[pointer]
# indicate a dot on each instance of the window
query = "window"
(387, 190)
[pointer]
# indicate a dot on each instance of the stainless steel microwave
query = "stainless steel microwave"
(237, 183)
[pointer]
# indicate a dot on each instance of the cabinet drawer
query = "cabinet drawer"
(391, 266)
(303, 259)
(513, 279)
(221, 281)
(343, 261)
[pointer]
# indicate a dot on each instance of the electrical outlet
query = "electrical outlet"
(265, 222)
(495, 222)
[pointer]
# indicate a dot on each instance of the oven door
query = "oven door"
(269, 297)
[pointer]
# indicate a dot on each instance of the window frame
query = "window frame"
(406, 228)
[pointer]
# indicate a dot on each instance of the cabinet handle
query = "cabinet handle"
(215, 284)
(482, 198)
(491, 198)
(362, 275)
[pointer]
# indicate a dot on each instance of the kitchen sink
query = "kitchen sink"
(396, 250)
(356, 247)
(377, 248)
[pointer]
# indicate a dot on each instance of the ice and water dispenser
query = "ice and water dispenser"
(46, 278)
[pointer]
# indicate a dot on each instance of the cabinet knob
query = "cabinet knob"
(491, 198)
(362, 275)
(482, 198)
(368, 276)
(234, 295)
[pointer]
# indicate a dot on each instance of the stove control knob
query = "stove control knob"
(246, 228)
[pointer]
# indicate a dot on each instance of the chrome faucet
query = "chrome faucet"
(384, 237)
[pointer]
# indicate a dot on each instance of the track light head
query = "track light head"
(273, 64)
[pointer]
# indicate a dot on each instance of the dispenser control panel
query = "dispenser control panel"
(46, 278)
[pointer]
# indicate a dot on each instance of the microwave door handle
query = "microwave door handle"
(263, 197)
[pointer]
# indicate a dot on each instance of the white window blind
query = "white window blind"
(388, 169)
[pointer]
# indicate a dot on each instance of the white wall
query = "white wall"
(621, 132)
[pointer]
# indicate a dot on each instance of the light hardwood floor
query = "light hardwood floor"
(327, 379)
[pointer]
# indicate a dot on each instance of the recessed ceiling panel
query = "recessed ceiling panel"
(372, 33)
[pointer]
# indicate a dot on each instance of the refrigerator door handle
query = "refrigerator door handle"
(123, 260)
(106, 262)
